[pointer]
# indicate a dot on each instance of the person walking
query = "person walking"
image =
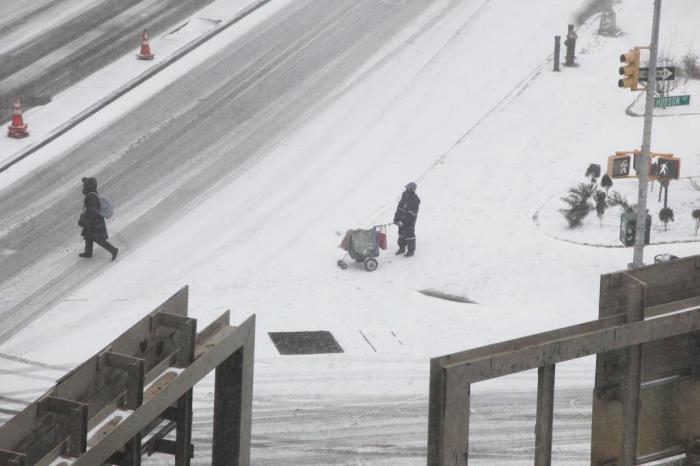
(92, 221)
(405, 217)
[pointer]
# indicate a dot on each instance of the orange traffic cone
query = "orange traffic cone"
(145, 53)
(18, 129)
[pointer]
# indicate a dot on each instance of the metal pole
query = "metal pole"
(638, 260)
(557, 48)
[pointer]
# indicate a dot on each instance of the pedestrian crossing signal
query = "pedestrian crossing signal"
(667, 168)
(620, 166)
(630, 70)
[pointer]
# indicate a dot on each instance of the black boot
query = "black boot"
(110, 248)
(411, 248)
(402, 246)
(88, 249)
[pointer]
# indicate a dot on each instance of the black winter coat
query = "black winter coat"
(93, 223)
(407, 210)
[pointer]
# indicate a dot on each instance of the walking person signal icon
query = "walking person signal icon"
(620, 166)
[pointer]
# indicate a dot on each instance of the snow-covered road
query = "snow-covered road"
(47, 46)
(157, 161)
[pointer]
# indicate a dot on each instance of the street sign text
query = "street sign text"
(672, 101)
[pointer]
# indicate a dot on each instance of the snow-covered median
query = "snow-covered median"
(683, 199)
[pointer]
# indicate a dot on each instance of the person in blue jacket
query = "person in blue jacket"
(405, 217)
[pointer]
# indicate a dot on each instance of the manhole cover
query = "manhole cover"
(317, 342)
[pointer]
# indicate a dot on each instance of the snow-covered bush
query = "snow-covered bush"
(579, 205)
(617, 199)
(593, 172)
(666, 215)
(696, 216)
(600, 204)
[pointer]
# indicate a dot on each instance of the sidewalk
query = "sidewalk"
(101, 89)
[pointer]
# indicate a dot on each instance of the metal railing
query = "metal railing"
(125, 400)
(647, 390)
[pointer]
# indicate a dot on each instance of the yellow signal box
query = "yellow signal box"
(630, 71)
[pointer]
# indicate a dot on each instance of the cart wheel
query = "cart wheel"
(342, 264)
(370, 264)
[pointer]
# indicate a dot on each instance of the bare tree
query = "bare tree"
(690, 68)
(664, 88)
(694, 184)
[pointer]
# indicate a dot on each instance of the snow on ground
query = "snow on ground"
(490, 134)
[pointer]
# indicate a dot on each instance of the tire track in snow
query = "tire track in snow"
(324, 428)
(355, 429)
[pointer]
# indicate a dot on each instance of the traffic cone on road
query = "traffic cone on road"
(18, 128)
(145, 53)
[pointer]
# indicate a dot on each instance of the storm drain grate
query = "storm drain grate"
(316, 342)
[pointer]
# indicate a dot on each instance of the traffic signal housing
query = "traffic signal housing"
(628, 228)
(630, 70)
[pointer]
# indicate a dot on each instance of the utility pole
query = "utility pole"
(638, 260)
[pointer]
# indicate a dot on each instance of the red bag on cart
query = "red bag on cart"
(381, 238)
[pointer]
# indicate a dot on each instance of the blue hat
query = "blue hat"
(411, 186)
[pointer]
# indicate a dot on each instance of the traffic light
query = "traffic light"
(631, 69)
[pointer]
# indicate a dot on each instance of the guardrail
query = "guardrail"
(123, 402)
(647, 388)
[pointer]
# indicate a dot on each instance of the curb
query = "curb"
(99, 105)
(632, 113)
(536, 220)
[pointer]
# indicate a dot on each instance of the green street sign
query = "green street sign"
(672, 101)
